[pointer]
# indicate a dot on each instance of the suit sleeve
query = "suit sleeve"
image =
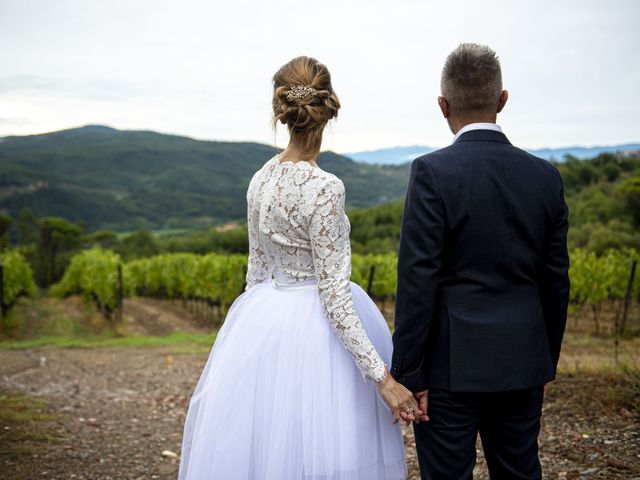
(554, 278)
(419, 263)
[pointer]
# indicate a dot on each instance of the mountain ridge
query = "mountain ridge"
(103, 178)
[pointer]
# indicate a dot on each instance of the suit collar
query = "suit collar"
(483, 136)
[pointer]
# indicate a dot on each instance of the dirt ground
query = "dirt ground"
(117, 413)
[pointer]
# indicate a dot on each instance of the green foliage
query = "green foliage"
(26, 226)
(58, 237)
(219, 279)
(384, 273)
(138, 244)
(599, 237)
(376, 229)
(92, 273)
(5, 225)
(209, 186)
(107, 239)
(187, 342)
(124, 180)
(630, 191)
(18, 278)
(603, 195)
(595, 278)
(213, 277)
(578, 174)
(233, 239)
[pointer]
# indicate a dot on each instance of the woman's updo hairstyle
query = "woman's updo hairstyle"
(304, 100)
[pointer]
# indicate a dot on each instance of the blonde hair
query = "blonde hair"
(305, 111)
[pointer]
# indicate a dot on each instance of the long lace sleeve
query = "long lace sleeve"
(331, 252)
(258, 269)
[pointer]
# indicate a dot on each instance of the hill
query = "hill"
(401, 155)
(111, 179)
(603, 195)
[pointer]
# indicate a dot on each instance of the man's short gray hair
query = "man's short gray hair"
(471, 79)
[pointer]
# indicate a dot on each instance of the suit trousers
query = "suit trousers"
(508, 422)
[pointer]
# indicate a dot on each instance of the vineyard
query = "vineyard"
(174, 304)
(598, 280)
(177, 301)
(213, 281)
(16, 279)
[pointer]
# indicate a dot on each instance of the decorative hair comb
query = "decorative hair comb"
(299, 92)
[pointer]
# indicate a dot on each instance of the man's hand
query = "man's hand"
(423, 403)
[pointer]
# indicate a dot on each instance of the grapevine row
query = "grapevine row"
(220, 278)
(16, 279)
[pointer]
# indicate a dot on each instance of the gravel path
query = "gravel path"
(116, 410)
(118, 413)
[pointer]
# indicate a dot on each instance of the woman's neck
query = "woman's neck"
(295, 153)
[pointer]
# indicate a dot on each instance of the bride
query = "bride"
(296, 385)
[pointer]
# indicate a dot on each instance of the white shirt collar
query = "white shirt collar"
(477, 126)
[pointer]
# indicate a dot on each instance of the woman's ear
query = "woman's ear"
(504, 96)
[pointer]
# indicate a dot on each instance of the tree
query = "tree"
(106, 239)
(138, 244)
(57, 237)
(5, 226)
(27, 227)
(612, 172)
(630, 191)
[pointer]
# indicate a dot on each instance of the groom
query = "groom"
(483, 284)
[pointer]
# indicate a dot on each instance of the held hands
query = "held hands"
(400, 401)
(423, 403)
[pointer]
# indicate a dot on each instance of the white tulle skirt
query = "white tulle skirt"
(280, 397)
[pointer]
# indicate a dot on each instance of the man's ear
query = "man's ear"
(444, 107)
(504, 96)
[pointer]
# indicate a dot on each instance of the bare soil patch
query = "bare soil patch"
(118, 412)
(114, 411)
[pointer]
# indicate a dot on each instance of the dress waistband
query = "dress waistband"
(305, 284)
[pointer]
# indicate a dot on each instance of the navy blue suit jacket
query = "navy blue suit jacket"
(483, 282)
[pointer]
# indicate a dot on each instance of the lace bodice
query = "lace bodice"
(298, 231)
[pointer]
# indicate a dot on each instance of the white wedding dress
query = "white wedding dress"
(288, 391)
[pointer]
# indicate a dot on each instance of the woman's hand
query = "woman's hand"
(400, 401)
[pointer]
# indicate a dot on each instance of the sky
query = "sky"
(203, 68)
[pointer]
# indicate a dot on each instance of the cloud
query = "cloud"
(204, 68)
(94, 89)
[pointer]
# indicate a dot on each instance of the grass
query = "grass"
(587, 353)
(22, 421)
(52, 317)
(190, 342)
(74, 323)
